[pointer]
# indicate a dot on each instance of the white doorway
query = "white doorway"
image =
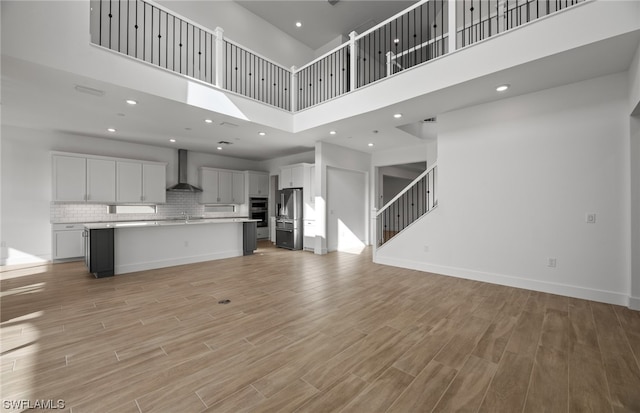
(346, 210)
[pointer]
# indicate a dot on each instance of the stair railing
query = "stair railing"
(416, 200)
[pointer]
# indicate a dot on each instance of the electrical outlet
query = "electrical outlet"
(552, 263)
(186, 243)
(590, 218)
(426, 248)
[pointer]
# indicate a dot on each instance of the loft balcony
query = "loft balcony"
(435, 46)
(426, 31)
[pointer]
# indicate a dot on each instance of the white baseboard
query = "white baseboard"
(171, 262)
(634, 303)
(603, 296)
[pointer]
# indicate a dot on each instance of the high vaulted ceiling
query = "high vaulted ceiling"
(321, 21)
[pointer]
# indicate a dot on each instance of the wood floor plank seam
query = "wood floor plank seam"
(524, 402)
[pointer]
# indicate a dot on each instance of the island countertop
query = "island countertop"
(144, 245)
(166, 222)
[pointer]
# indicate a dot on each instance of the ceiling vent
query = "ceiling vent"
(333, 2)
(229, 124)
(430, 120)
(89, 90)
(224, 143)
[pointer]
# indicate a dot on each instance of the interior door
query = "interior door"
(346, 210)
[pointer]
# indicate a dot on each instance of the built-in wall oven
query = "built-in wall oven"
(259, 209)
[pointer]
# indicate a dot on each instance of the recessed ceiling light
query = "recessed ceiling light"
(111, 130)
(298, 24)
(369, 144)
(132, 102)
(172, 140)
(219, 148)
(332, 132)
(261, 133)
(397, 115)
(502, 88)
(208, 120)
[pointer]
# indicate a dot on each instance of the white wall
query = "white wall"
(634, 82)
(330, 46)
(516, 178)
(634, 154)
(329, 155)
(245, 28)
(400, 155)
(391, 186)
(26, 181)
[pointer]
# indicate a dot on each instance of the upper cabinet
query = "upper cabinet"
(154, 183)
(86, 178)
(221, 186)
(141, 182)
(101, 180)
(82, 179)
(258, 184)
(292, 176)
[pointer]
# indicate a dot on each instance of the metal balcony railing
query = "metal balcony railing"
(416, 200)
(427, 30)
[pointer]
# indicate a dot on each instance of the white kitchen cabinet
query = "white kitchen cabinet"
(82, 179)
(258, 184)
(141, 182)
(291, 176)
(225, 187)
(309, 235)
(101, 180)
(154, 183)
(129, 181)
(221, 186)
(69, 178)
(67, 241)
(238, 188)
(209, 186)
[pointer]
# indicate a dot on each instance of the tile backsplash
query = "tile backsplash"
(178, 204)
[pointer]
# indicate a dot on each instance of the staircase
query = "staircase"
(416, 200)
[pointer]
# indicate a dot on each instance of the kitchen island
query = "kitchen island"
(146, 245)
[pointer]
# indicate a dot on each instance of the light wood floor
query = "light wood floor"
(309, 333)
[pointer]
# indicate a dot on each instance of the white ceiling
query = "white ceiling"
(321, 21)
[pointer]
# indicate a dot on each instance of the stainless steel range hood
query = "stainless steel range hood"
(183, 185)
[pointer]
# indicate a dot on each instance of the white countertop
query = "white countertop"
(170, 222)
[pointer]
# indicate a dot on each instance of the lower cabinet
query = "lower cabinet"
(99, 247)
(67, 241)
(263, 232)
(309, 241)
(249, 238)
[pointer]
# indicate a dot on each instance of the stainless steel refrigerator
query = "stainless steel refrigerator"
(289, 219)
